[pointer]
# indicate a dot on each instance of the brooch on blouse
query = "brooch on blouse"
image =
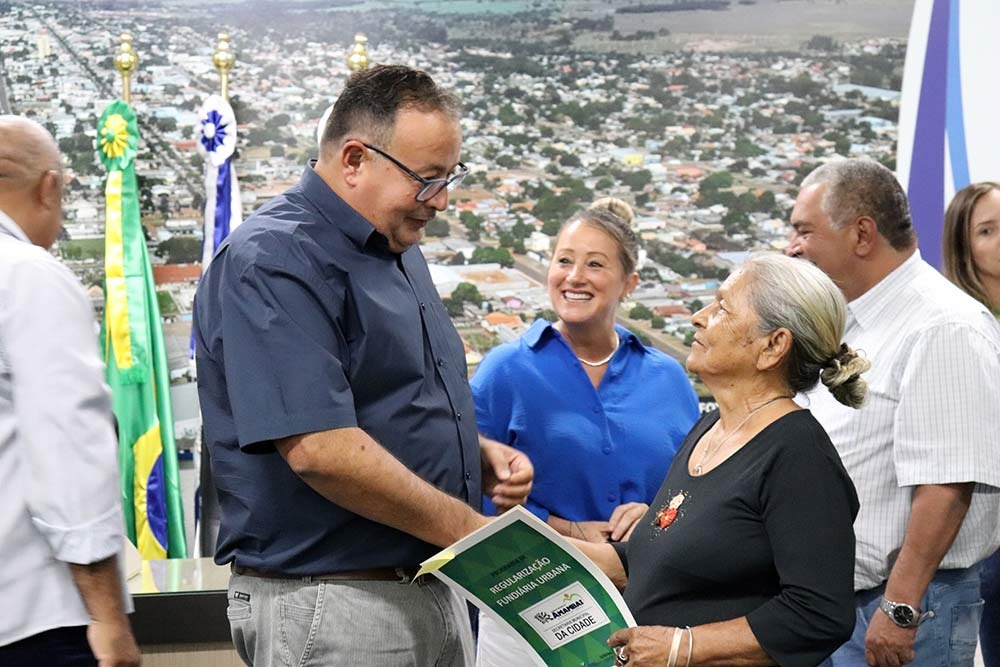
(670, 512)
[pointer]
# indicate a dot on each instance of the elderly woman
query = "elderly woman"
(971, 250)
(584, 398)
(747, 553)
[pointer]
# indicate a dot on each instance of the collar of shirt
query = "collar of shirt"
(8, 226)
(877, 303)
(338, 212)
(543, 329)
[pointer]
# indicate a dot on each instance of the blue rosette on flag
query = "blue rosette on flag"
(217, 142)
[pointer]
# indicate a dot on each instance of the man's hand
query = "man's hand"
(113, 644)
(624, 520)
(936, 515)
(109, 633)
(887, 644)
(507, 474)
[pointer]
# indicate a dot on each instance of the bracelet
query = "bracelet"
(675, 646)
(690, 644)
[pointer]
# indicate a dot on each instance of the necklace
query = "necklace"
(711, 450)
(605, 359)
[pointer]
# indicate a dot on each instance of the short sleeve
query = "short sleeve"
(947, 419)
(808, 509)
(285, 354)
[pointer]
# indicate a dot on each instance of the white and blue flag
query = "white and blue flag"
(223, 212)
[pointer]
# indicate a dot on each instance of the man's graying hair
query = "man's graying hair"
(859, 187)
(368, 105)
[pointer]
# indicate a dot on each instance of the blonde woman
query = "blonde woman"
(599, 413)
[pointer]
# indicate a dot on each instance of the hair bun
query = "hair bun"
(842, 376)
(616, 206)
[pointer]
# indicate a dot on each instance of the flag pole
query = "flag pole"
(126, 62)
(224, 60)
(134, 349)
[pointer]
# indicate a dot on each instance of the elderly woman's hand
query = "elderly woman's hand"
(624, 520)
(591, 531)
(646, 646)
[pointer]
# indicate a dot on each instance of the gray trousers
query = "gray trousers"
(291, 623)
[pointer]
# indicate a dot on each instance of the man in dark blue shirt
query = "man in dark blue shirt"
(333, 388)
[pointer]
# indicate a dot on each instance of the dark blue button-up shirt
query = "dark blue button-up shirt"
(306, 322)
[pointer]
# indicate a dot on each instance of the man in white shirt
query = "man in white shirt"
(60, 510)
(922, 451)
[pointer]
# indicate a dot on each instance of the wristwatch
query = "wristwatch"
(901, 613)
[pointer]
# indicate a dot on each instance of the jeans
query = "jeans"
(946, 639)
(989, 629)
(287, 623)
(60, 647)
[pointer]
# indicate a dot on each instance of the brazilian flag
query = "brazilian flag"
(134, 353)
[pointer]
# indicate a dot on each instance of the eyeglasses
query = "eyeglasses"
(430, 187)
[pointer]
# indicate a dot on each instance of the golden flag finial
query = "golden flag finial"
(224, 59)
(127, 62)
(358, 59)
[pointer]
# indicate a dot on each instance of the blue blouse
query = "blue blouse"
(593, 449)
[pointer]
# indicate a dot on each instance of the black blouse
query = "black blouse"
(767, 534)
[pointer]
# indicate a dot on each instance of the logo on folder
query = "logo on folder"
(565, 616)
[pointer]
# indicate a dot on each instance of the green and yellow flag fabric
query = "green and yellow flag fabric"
(134, 353)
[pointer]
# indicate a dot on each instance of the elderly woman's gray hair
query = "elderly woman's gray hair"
(795, 295)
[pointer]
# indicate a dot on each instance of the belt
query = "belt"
(402, 575)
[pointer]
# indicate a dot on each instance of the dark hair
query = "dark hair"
(956, 241)
(371, 99)
(859, 187)
(613, 217)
